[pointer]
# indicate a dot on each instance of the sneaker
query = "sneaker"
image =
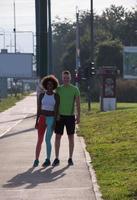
(36, 163)
(70, 161)
(46, 163)
(55, 162)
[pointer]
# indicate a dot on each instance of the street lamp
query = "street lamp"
(92, 33)
(77, 48)
(50, 62)
(92, 52)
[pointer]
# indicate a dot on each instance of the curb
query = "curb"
(96, 187)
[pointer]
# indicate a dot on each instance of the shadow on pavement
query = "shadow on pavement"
(31, 116)
(30, 179)
(16, 133)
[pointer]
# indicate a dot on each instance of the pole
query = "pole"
(92, 33)
(37, 16)
(77, 45)
(14, 30)
(50, 62)
(41, 37)
(33, 43)
(92, 56)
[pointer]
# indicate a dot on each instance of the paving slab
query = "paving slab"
(19, 180)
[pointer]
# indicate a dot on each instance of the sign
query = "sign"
(130, 62)
(108, 88)
(16, 65)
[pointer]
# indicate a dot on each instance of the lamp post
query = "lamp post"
(41, 37)
(14, 29)
(92, 33)
(50, 62)
(77, 48)
(92, 54)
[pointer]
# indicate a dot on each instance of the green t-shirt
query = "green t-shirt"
(67, 98)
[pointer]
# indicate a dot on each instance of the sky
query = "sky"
(25, 17)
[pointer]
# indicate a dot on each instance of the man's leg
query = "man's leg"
(57, 147)
(57, 144)
(59, 131)
(70, 127)
(71, 145)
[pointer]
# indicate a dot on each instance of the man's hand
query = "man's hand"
(77, 119)
(78, 109)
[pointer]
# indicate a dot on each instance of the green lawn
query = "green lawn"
(10, 101)
(111, 139)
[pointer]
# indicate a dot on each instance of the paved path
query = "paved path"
(18, 180)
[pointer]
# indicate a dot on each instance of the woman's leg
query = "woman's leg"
(41, 131)
(39, 142)
(49, 133)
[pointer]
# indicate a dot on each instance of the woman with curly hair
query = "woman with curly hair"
(48, 106)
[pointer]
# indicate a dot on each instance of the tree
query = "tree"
(110, 54)
(63, 35)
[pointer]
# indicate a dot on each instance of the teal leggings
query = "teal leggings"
(48, 135)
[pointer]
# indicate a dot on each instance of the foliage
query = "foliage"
(113, 29)
(63, 35)
(111, 141)
(10, 101)
(110, 54)
(126, 90)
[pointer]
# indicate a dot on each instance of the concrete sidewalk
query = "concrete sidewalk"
(19, 181)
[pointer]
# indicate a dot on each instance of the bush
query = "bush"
(126, 90)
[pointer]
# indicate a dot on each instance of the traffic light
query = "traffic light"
(90, 70)
(93, 70)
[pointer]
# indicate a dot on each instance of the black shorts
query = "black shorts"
(68, 121)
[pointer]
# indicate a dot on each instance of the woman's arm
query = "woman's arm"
(39, 107)
(57, 102)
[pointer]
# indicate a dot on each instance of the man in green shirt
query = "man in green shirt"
(69, 95)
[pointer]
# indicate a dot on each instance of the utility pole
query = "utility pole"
(14, 30)
(41, 37)
(92, 55)
(77, 47)
(92, 33)
(50, 57)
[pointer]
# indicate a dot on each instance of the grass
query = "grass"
(111, 139)
(10, 101)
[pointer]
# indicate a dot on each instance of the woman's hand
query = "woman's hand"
(36, 125)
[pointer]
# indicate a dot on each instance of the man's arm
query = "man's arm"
(57, 98)
(78, 109)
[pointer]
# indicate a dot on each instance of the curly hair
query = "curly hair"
(50, 78)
